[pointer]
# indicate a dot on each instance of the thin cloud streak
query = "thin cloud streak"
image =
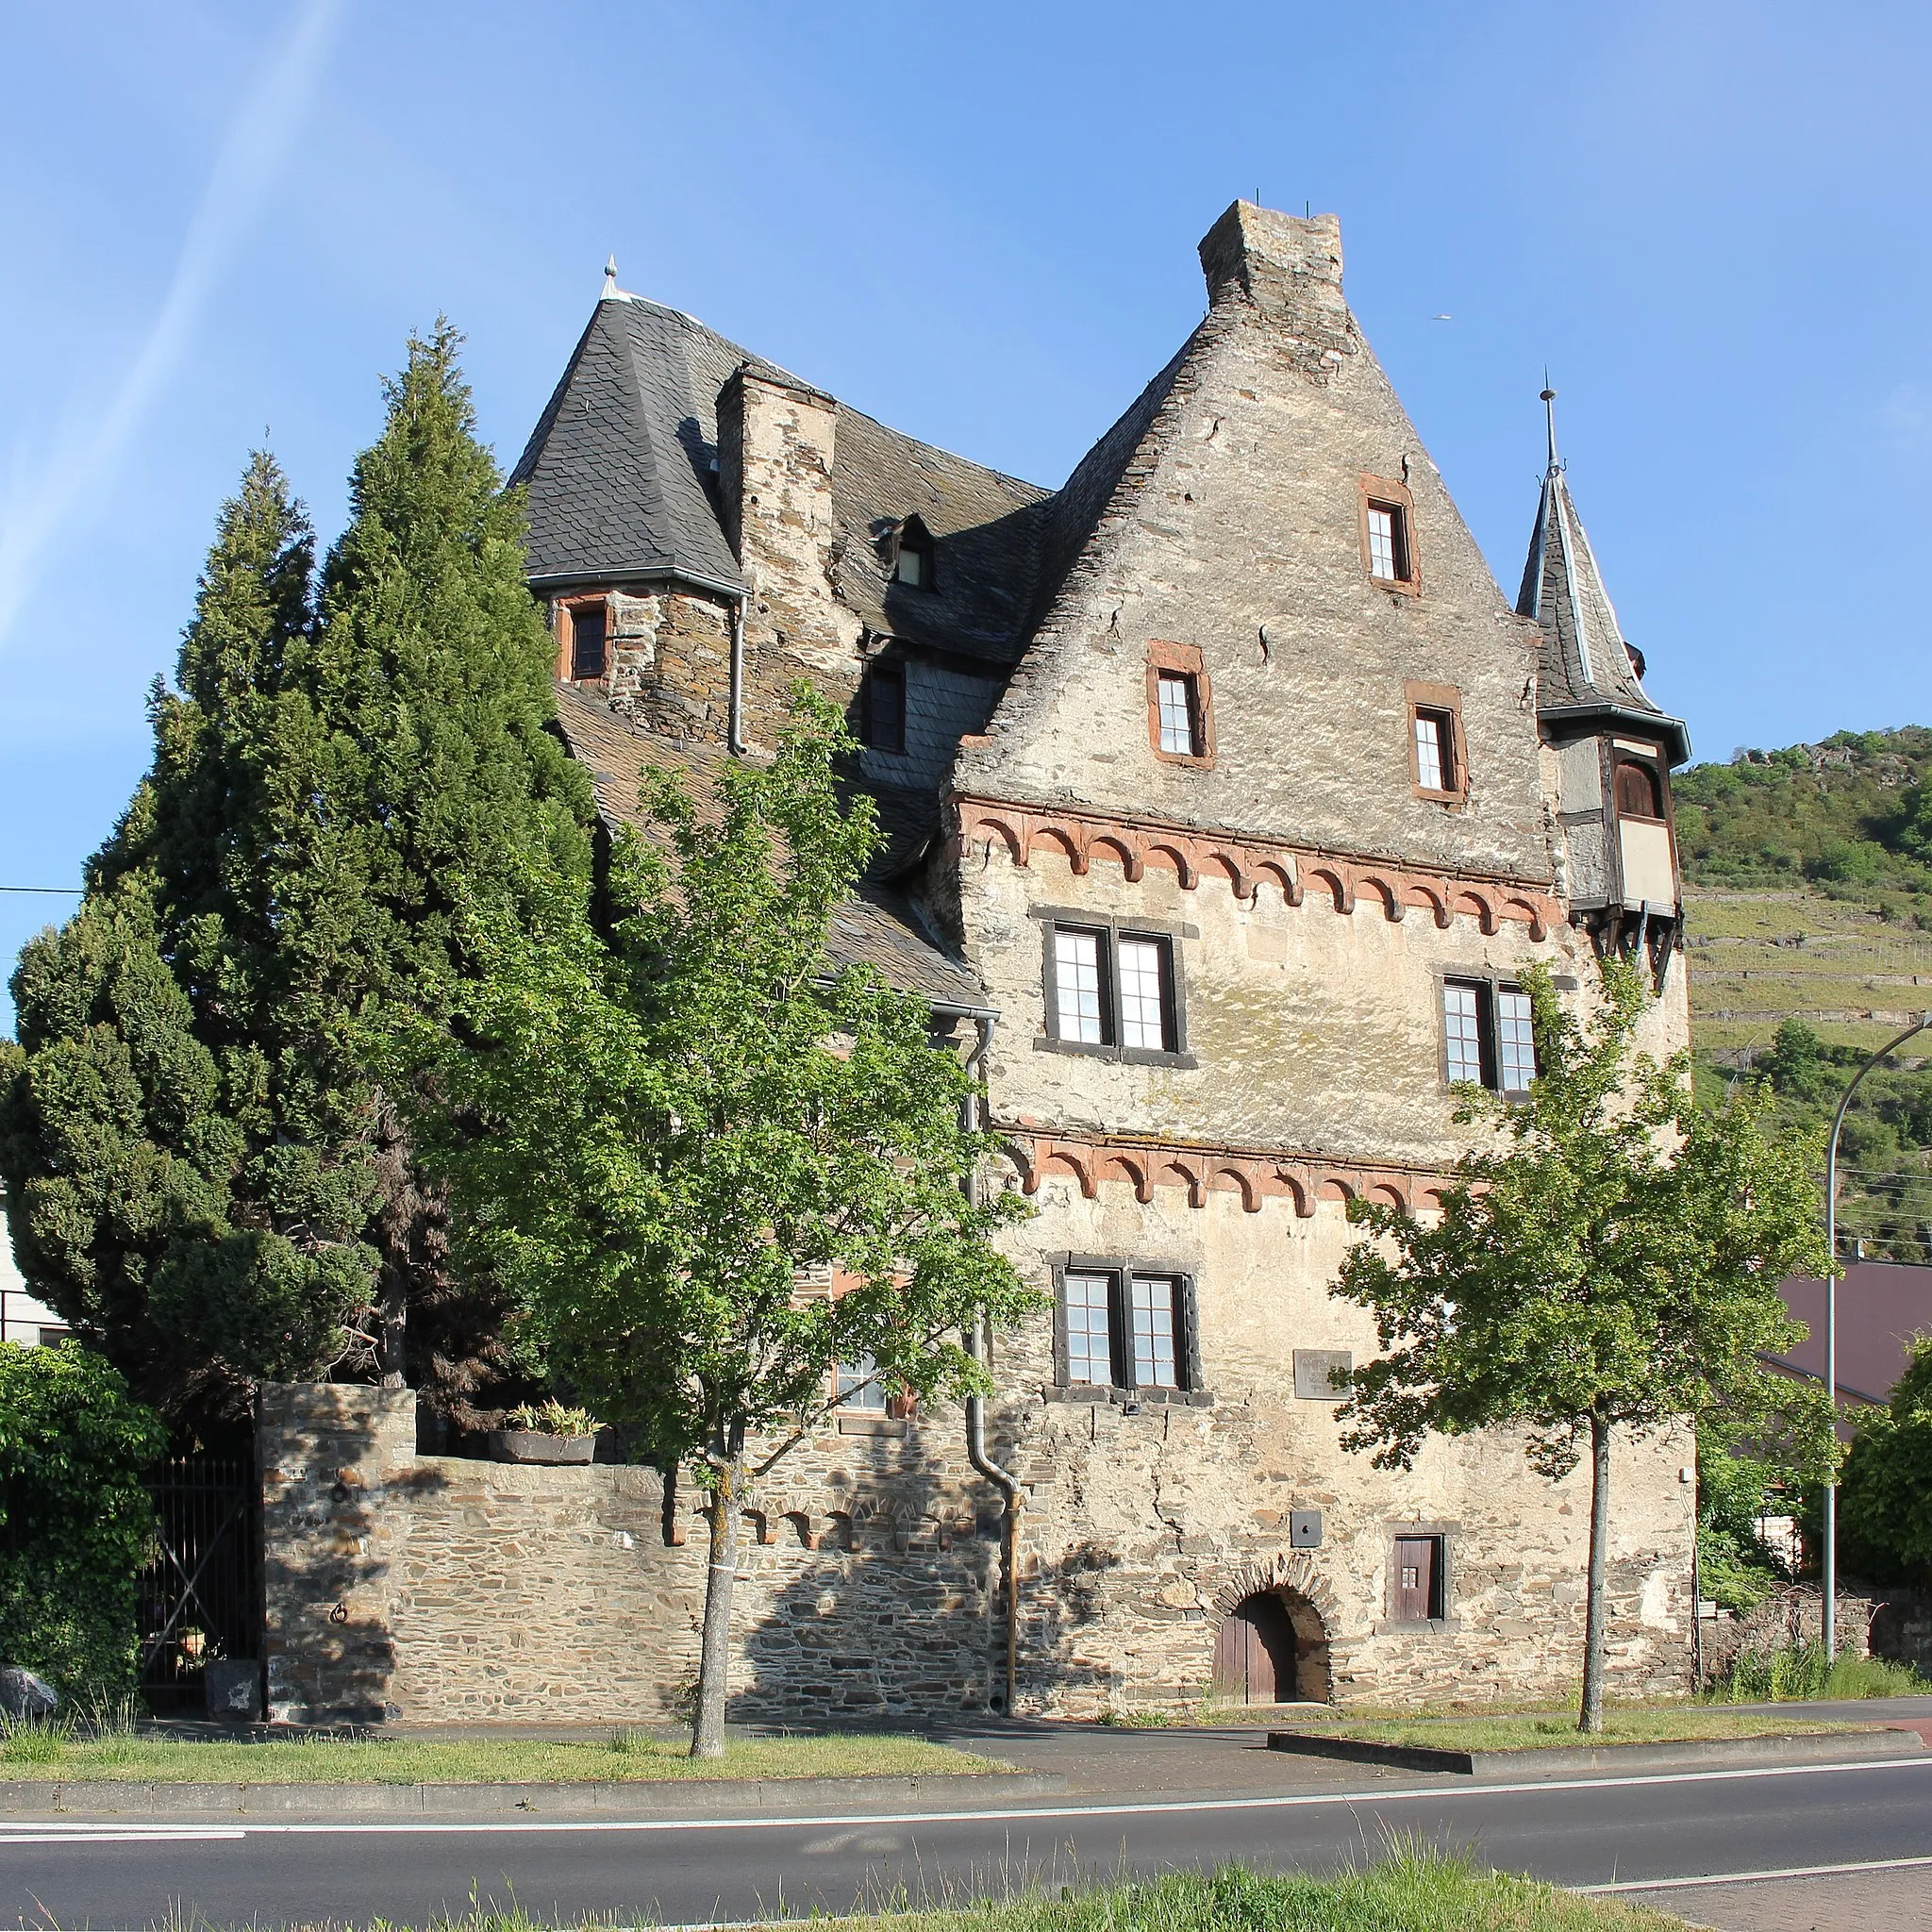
(244, 170)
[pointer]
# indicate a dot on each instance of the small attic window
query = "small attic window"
(1639, 794)
(912, 558)
(1387, 524)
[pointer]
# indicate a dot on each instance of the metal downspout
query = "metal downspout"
(979, 1346)
(734, 726)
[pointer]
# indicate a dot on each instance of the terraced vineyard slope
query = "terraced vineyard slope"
(1808, 878)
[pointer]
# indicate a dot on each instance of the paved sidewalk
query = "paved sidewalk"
(1851, 1902)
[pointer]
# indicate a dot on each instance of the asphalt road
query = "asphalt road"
(1578, 1831)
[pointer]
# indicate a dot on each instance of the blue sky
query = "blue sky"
(977, 223)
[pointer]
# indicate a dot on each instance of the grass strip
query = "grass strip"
(1417, 1890)
(1555, 1731)
(50, 1753)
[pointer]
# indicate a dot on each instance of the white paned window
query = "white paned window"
(1176, 695)
(911, 564)
(860, 1386)
(1384, 544)
(1431, 766)
(1153, 1301)
(1515, 1040)
(1143, 994)
(1090, 1316)
(1462, 1029)
(1076, 978)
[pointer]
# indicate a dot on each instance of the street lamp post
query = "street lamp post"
(1828, 1619)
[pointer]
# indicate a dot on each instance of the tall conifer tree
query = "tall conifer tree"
(201, 1173)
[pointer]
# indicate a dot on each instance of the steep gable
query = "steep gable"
(1226, 514)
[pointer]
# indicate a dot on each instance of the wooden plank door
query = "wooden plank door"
(1415, 1578)
(1254, 1653)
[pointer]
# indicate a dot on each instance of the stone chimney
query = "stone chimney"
(1279, 263)
(776, 443)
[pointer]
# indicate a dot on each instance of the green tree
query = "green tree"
(1885, 1502)
(76, 1522)
(1607, 1258)
(203, 1174)
(673, 1126)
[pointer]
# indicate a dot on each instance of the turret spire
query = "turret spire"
(1588, 668)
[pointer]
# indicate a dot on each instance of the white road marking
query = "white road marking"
(85, 1832)
(1755, 1877)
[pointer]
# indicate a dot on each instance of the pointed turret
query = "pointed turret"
(1590, 675)
(1614, 747)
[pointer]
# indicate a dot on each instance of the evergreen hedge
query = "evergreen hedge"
(77, 1525)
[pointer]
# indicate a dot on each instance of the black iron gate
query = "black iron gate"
(201, 1598)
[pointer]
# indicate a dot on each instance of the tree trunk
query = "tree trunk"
(1593, 1718)
(714, 1656)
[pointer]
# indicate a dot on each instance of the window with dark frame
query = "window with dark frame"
(1124, 1328)
(1179, 712)
(884, 705)
(1415, 1581)
(1113, 988)
(1435, 749)
(1488, 1037)
(1639, 794)
(1388, 543)
(589, 652)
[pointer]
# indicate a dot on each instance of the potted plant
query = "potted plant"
(545, 1432)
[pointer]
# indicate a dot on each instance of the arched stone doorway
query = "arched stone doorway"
(1255, 1652)
(1271, 1642)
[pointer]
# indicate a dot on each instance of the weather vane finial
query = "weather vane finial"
(1549, 401)
(610, 279)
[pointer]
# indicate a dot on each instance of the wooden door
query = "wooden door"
(1254, 1653)
(1416, 1600)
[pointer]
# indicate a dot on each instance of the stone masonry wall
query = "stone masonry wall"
(437, 1589)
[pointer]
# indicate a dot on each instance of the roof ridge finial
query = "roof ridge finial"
(1549, 403)
(610, 288)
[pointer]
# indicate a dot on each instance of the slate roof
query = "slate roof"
(618, 467)
(620, 480)
(1588, 672)
(876, 926)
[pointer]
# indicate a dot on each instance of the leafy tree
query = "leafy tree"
(673, 1125)
(203, 1176)
(1885, 1502)
(1607, 1258)
(76, 1522)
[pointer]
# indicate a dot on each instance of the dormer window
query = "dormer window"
(912, 560)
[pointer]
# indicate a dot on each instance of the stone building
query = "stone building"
(1228, 799)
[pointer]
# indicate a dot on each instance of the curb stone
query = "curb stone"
(635, 1798)
(1804, 1748)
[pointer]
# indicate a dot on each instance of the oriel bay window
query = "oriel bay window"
(1111, 990)
(1488, 1039)
(1127, 1326)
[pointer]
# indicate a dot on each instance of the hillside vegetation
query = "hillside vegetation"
(1809, 875)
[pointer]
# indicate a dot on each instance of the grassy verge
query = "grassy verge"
(46, 1752)
(1420, 1890)
(1529, 1731)
(1798, 1673)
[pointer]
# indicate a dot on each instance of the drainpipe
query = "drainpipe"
(979, 1346)
(734, 726)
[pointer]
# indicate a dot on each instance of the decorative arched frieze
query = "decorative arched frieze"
(1258, 1175)
(1134, 843)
